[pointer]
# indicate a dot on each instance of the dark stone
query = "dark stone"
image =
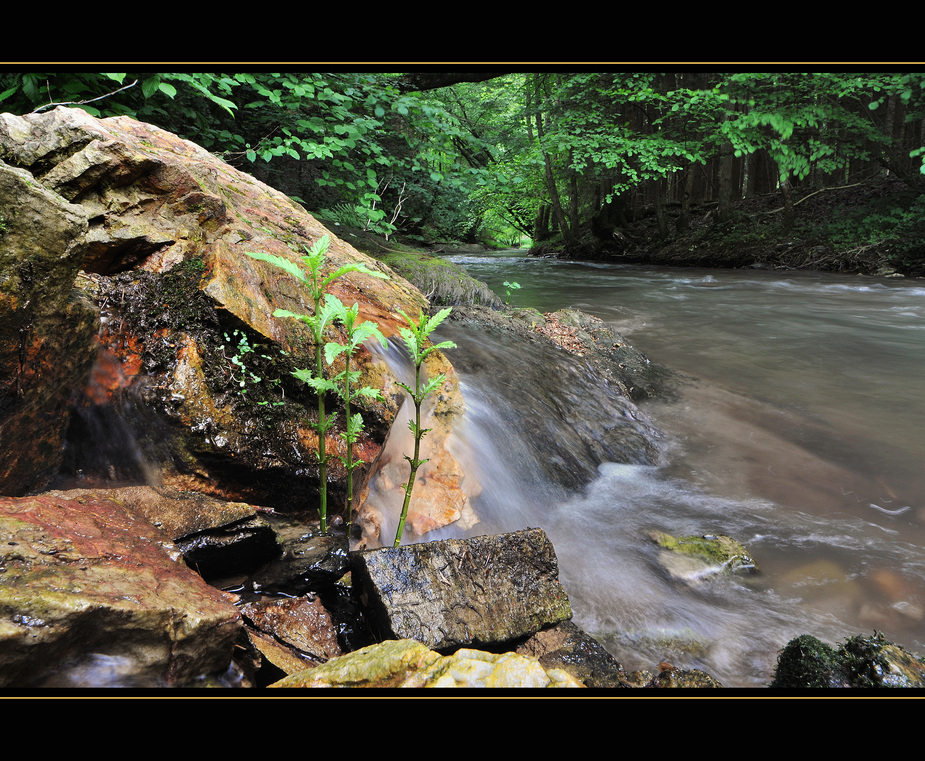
(478, 592)
(576, 410)
(309, 561)
(566, 646)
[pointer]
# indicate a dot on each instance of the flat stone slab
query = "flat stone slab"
(463, 592)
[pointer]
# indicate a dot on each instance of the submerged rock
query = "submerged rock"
(695, 558)
(482, 591)
(407, 663)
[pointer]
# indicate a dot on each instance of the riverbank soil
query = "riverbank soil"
(875, 227)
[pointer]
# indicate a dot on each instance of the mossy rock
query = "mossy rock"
(808, 662)
(441, 281)
(861, 662)
(694, 558)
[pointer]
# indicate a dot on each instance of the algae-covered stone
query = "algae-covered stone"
(406, 663)
(694, 558)
(860, 662)
(808, 662)
(877, 662)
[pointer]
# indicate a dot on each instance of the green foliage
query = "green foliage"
(243, 371)
(898, 226)
(416, 338)
(326, 310)
(480, 161)
(509, 288)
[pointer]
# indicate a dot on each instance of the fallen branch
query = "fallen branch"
(82, 102)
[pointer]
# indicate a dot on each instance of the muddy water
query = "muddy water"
(801, 433)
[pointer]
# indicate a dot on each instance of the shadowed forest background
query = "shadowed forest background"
(712, 169)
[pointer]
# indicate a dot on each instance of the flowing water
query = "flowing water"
(801, 436)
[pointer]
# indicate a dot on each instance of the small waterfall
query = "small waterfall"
(537, 424)
(105, 445)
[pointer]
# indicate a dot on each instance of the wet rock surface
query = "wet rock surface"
(215, 537)
(85, 579)
(859, 662)
(573, 409)
(482, 591)
(47, 329)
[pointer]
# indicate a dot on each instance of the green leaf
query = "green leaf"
(282, 263)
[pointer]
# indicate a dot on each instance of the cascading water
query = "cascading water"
(800, 437)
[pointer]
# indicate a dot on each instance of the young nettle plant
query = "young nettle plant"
(345, 381)
(510, 287)
(416, 338)
(325, 312)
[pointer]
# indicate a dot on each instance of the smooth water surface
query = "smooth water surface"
(800, 434)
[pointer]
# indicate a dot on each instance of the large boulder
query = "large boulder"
(47, 330)
(85, 582)
(163, 228)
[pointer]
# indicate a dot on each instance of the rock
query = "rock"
(216, 537)
(481, 591)
(47, 328)
(695, 558)
(309, 561)
(860, 662)
(613, 357)
(407, 663)
(569, 408)
(301, 623)
(443, 487)
(444, 283)
(84, 583)
(164, 227)
(567, 647)
(673, 678)
(273, 657)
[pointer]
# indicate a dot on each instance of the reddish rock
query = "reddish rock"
(87, 578)
(169, 229)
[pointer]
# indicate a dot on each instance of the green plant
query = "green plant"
(357, 335)
(416, 337)
(511, 287)
(314, 279)
(242, 374)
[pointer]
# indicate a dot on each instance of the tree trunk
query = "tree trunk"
(726, 165)
(684, 219)
(788, 205)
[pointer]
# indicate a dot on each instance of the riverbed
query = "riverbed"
(800, 434)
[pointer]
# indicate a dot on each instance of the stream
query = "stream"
(800, 435)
